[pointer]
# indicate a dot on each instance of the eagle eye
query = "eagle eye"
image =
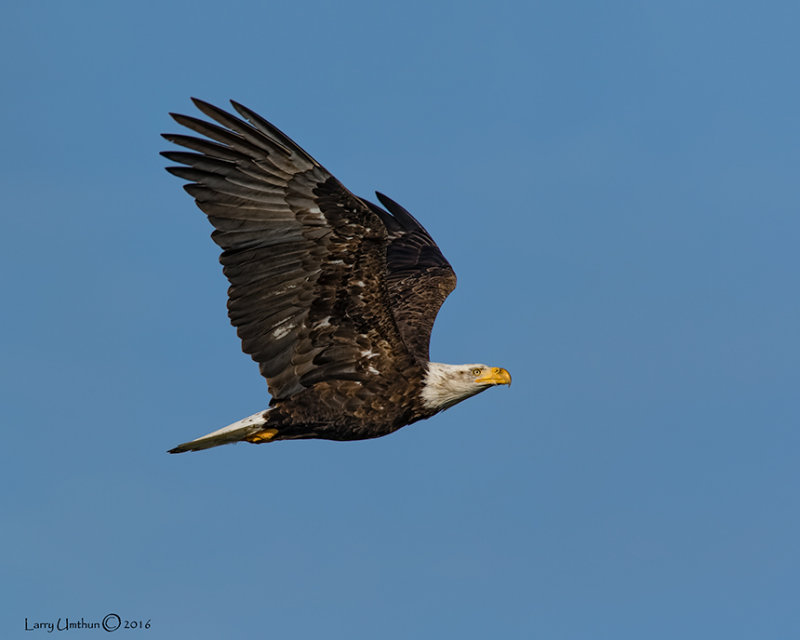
(476, 372)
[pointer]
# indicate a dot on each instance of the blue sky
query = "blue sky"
(616, 185)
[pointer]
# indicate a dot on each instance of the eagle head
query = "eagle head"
(447, 384)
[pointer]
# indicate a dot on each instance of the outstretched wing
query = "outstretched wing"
(305, 258)
(418, 276)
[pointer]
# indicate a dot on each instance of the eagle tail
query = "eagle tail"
(250, 429)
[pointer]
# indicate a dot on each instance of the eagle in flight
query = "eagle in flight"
(332, 295)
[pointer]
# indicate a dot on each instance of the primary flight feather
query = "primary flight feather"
(333, 296)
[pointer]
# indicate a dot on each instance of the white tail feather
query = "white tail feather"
(232, 433)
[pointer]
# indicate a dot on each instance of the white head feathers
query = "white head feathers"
(447, 384)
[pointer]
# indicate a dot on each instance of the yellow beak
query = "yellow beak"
(495, 375)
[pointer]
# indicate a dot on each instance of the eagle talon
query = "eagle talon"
(262, 436)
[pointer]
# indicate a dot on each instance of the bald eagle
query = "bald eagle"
(333, 296)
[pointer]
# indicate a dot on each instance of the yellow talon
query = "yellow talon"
(262, 436)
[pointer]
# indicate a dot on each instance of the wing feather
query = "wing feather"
(419, 278)
(306, 260)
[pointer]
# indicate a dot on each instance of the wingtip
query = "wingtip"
(386, 201)
(243, 111)
(247, 114)
(212, 111)
(175, 171)
(401, 214)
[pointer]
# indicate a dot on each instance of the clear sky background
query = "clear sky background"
(616, 185)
